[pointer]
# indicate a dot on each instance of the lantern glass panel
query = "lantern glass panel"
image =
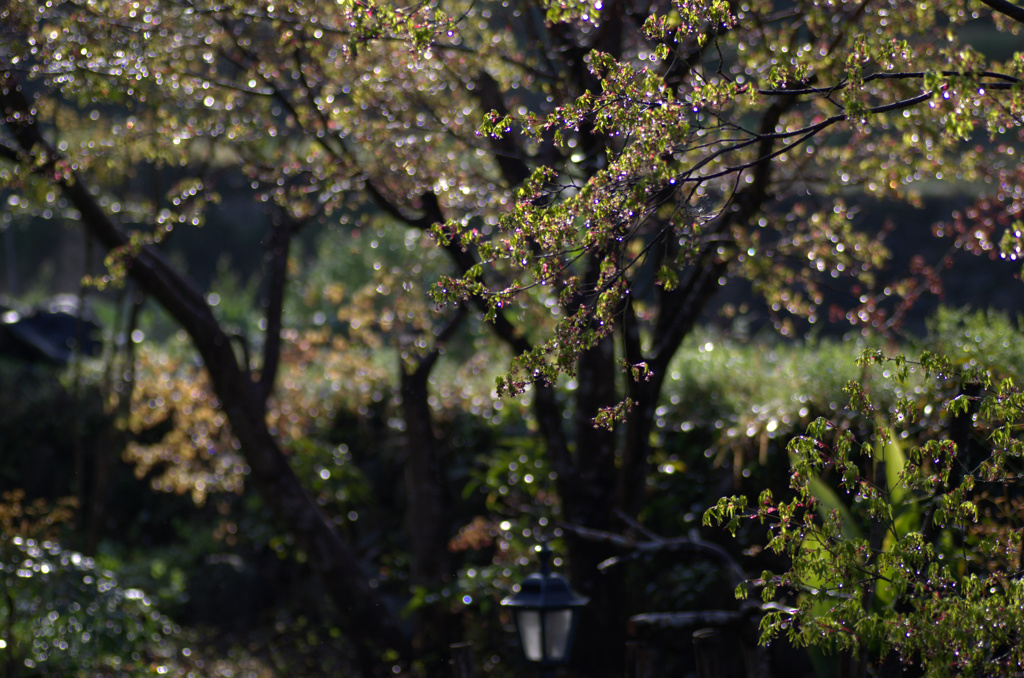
(529, 634)
(559, 625)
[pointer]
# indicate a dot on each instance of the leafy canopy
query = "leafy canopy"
(732, 140)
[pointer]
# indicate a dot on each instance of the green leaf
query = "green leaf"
(828, 501)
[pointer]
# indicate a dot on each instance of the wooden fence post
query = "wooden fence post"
(462, 660)
(637, 663)
(708, 648)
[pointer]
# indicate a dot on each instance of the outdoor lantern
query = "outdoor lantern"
(545, 609)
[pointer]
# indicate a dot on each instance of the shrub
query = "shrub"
(61, 615)
(904, 544)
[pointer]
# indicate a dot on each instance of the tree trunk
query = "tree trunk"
(425, 515)
(588, 501)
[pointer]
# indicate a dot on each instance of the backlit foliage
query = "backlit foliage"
(197, 455)
(704, 140)
(905, 547)
(732, 138)
(37, 519)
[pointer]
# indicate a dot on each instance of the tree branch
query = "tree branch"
(1015, 12)
(682, 620)
(278, 247)
(691, 545)
(9, 153)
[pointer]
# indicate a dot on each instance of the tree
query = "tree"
(736, 152)
(664, 149)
